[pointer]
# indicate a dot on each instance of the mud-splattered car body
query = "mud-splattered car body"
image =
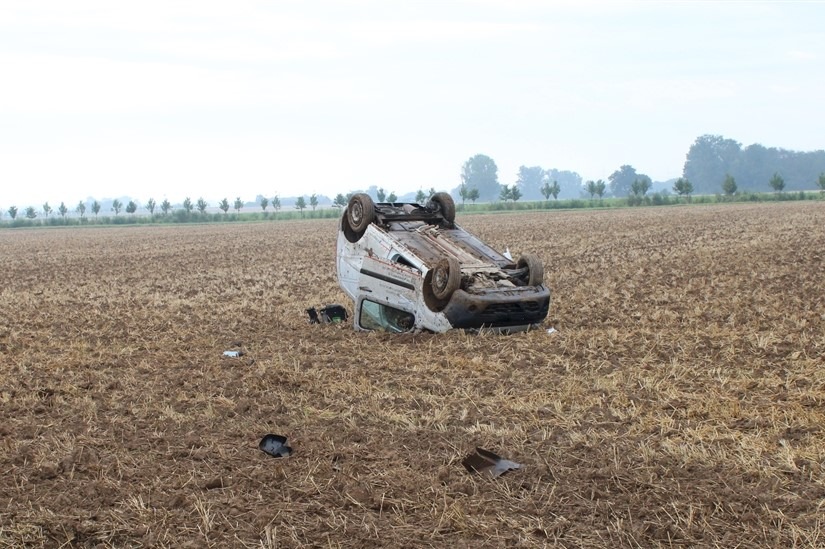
(409, 267)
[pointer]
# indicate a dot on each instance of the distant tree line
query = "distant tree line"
(713, 163)
(480, 182)
(712, 158)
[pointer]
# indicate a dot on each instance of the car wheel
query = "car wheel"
(444, 203)
(446, 278)
(360, 212)
(535, 269)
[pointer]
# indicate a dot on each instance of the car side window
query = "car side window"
(377, 316)
(401, 260)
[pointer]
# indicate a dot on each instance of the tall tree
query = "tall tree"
(473, 195)
(117, 205)
(391, 197)
(621, 181)
(31, 213)
(300, 204)
(13, 212)
(150, 205)
(545, 190)
(420, 196)
(238, 205)
(313, 201)
(505, 193)
(548, 189)
(530, 181)
(480, 172)
(165, 206)
(821, 182)
(131, 207)
(202, 205)
(709, 160)
(754, 165)
(683, 187)
(95, 207)
(729, 185)
(640, 186)
(570, 183)
(62, 210)
(381, 194)
(187, 205)
(601, 188)
(264, 203)
(47, 209)
(81, 209)
(777, 183)
(340, 201)
(224, 205)
(276, 202)
(590, 187)
(555, 189)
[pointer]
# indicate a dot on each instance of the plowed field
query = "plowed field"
(680, 403)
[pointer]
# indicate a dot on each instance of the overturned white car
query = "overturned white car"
(409, 267)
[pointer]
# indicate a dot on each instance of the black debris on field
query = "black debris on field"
(275, 446)
(485, 461)
(330, 314)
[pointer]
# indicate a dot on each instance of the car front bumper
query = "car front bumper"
(498, 308)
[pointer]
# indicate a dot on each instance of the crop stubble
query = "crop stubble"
(679, 403)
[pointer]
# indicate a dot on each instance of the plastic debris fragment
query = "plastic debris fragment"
(485, 461)
(233, 354)
(330, 314)
(275, 446)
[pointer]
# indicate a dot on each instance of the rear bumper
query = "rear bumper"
(499, 308)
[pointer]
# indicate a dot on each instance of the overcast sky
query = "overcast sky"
(169, 99)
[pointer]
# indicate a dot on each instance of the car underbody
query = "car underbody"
(409, 267)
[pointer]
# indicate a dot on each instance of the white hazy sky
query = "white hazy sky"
(168, 99)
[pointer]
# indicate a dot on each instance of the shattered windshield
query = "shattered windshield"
(377, 316)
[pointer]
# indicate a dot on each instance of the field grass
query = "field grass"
(680, 403)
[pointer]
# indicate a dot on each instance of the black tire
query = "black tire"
(535, 269)
(444, 203)
(446, 278)
(360, 212)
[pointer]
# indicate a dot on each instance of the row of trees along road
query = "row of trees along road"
(151, 206)
(82, 207)
(711, 159)
(479, 181)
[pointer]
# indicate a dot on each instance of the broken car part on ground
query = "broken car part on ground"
(409, 267)
(485, 461)
(331, 314)
(275, 446)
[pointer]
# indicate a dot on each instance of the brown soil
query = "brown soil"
(680, 403)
